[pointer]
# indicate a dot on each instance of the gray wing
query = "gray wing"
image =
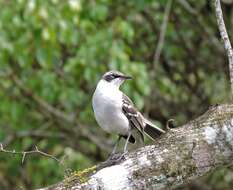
(138, 121)
(134, 116)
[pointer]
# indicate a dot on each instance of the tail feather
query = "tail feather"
(152, 130)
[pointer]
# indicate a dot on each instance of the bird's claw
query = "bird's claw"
(113, 159)
(117, 157)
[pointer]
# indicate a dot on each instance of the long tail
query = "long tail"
(152, 130)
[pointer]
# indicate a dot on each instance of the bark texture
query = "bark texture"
(181, 155)
(225, 38)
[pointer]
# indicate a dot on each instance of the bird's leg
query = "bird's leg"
(142, 139)
(116, 145)
(116, 158)
(126, 143)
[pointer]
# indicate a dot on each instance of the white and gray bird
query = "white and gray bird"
(116, 113)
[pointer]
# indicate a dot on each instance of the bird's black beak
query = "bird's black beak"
(126, 77)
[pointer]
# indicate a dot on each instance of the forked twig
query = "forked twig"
(25, 153)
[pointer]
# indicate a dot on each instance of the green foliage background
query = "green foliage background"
(52, 53)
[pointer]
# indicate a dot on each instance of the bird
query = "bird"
(115, 113)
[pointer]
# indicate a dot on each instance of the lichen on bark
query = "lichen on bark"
(182, 154)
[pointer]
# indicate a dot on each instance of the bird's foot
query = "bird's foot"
(117, 157)
(113, 159)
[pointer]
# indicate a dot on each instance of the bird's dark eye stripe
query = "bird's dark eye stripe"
(111, 76)
(115, 75)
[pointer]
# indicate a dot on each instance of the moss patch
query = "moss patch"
(79, 176)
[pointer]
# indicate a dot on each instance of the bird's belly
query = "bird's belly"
(110, 117)
(114, 123)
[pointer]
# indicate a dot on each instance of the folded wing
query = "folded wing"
(138, 121)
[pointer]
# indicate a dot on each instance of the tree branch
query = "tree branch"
(181, 155)
(188, 7)
(225, 38)
(162, 32)
(25, 153)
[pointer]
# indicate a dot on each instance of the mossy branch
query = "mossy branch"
(181, 155)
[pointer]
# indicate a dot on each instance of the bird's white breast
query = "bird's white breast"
(107, 106)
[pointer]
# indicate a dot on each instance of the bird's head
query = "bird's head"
(115, 77)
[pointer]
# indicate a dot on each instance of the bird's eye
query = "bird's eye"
(113, 76)
(110, 77)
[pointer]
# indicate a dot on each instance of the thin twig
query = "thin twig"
(225, 38)
(162, 32)
(212, 39)
(187, 7)
(25, 153)
(170, 121)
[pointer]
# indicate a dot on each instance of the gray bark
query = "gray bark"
(178, 157)
(225, 38)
